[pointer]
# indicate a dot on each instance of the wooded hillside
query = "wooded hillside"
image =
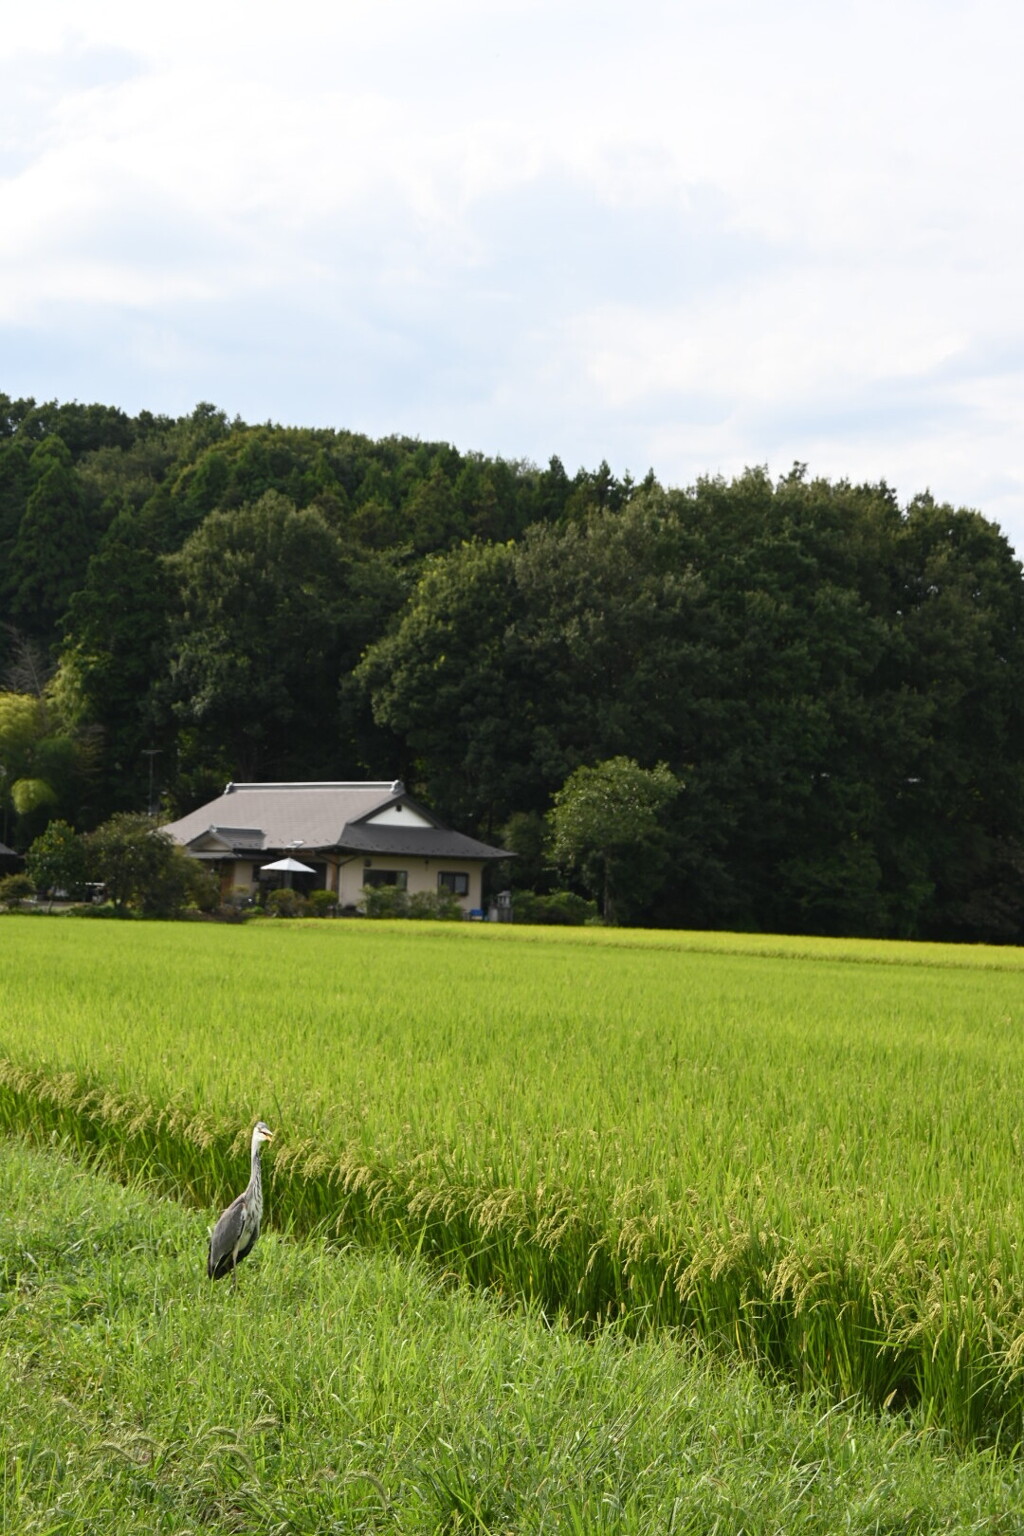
(835, 678)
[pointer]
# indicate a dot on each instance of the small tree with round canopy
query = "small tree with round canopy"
(606, 828)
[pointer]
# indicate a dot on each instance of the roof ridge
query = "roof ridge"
(393, 786)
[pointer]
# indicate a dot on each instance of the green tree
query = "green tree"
(257, 649)
(57, 860)
(526, 835)
(960, 597)
(130, 856)
(81, 428)
(439, 682)
(115, 478)
(112, 672)
(432, 513)
(512, 664)
(142, 867)
(607, 828)
(184, 883)
(15, 481)
(51, 549)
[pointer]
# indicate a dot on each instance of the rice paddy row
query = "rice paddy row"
(809, 1159)
(355, 1392)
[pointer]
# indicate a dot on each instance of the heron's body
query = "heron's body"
(239, 1225)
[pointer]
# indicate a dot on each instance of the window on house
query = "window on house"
(453, 880)
(399, 877)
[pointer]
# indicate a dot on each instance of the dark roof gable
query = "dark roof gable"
(417, 842)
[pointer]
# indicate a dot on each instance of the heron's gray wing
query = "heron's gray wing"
(224, 1239)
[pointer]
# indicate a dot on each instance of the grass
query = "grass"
(355, 1392)
(808, 1152)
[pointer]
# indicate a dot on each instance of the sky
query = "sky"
(689, 237)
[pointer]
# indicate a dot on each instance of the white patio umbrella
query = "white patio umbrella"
(287, 867)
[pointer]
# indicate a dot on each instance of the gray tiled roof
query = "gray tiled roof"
(322, 816)
(7, 853)
(313, 814)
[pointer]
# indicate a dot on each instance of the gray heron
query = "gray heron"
(239, 1226)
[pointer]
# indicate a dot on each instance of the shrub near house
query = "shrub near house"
(15, 890)
(58, 861)
(392, 901)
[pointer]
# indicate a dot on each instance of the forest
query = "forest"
(830, 679)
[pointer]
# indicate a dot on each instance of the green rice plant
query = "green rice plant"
(355, 1391)
(807, 1152)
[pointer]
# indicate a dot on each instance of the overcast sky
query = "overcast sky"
(687, 236)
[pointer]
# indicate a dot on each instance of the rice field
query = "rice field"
(807, 1154)
(353, 1391)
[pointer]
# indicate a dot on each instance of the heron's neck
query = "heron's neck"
(256, 1177)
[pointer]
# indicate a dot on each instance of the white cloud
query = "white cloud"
(648, 232)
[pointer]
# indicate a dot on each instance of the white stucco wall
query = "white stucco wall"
(397, 816)
(421, 876)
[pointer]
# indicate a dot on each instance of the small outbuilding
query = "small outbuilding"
(350, 835)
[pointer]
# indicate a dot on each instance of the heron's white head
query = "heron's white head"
(261, 1132)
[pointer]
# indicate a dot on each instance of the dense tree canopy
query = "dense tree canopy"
(48, 554)
(273, 609)
(835, 677)
(832, 678)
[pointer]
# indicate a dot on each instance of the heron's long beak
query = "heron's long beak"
(268, 1135)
